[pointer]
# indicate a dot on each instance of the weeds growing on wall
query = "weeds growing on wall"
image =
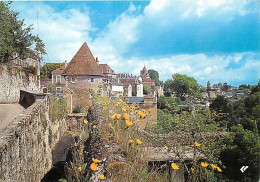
(58, 108)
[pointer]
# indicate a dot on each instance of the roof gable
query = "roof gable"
(83, 63)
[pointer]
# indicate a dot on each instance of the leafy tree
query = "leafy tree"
(154, 75)
(48, 68)
(168, 87)
(183, 85)
(146, 89)
(208, 86)
(241, 149)
(15, 37)
(225, 87)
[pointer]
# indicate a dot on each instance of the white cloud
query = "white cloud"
(62, 32)
(200, 66)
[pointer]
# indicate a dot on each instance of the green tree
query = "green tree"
(48, 68)
(183, 85)
(208, 86)
(154, 75)
(146, 89)
(168, 87)
(15, 37)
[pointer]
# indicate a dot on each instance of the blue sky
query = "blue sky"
(216, 40)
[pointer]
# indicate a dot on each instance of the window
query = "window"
(58, 89)
(58, 78)
(73, 80)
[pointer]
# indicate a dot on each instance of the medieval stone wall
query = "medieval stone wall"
(26, 144)
(12, 80)
(81, 91)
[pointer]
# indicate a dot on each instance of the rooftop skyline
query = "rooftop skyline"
(208, 40)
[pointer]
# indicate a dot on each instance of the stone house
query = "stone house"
(58, 80)
(82, 77)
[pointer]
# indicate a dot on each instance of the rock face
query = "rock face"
(26, 144)
(12, 80)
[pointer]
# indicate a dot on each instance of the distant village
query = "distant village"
(85, 75)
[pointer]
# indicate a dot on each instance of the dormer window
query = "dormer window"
(73, 80)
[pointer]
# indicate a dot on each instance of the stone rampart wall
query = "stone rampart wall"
(14, 79)
(26, 144)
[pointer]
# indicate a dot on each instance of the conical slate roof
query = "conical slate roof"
(83, 63)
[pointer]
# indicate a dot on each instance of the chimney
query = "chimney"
(65, 64)
(97, 61)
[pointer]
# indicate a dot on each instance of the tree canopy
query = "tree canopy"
(182, 85)
(146, 89)
(154, 75)
(48, 68)
(15, 37)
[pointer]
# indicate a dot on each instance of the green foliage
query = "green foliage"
(51, 88)
(154, 75)
(77, 109)
(208, 86)
(48, 68)
(30, 70)
(146, 89)
(58, 108)
(50, 136)
(182, 85)
(242, 149)
(15, 36)
(169, 103)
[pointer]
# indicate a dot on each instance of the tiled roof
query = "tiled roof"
(59, 70)
(104, 68)
(127, 81)
(83, 63)
(147, 80)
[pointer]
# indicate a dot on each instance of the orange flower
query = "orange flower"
(124, 108)
(118, 116)
(94, 166)
(165, 147)
(150, 110)
(85, 121)
(131, 141)
(102, 177)
(204, 164)
(138, 142)
(110, 126)
(79, 169)
(214, 166)
(113, 117)
(96, 160)
(126, 116)
(94, 126)
(71, 114)
(80, 153)
(197, 144)
(174, 166)
(128, 123)
(219, 170)
(75, 144)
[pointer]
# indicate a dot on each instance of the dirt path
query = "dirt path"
(8, 112)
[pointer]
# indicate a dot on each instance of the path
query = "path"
(8, 112)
